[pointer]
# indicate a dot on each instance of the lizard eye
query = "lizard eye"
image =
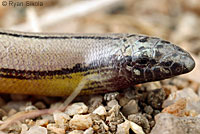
(176, 68)
(142, 61)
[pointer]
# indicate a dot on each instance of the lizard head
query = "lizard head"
(150, 59)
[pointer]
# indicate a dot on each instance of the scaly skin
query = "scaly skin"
(54, 64)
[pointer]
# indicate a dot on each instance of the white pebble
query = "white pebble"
(89, 131)
(76, 108)
(80, 122)
(123, 128)
(60, 118)
(136, 128)
(100, 111)
(37, 130)
(54, 128)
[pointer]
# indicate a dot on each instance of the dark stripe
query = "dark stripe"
(21, 35)
(62, 74)
(21, 74)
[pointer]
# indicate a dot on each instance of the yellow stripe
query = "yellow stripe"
(50, 87)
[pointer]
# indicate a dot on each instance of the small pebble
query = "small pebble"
(30, 122)
(112, 103)
(55, 129)
(80, 122)
(123, 128)
(30, 108)
(60, 118)
(141, 120)
(155, 98)
(100, 111)
(43, 122)
(37, 130)
(136, 128)
(110, 96)
(40, 105)
(89, 131)
(76, 108)
(130, 108)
